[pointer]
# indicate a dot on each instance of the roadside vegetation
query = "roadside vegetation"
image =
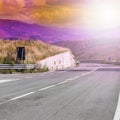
(35, 51)
(35, 70)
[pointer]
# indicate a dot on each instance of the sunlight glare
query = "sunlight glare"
(106, 15)
(102, 15)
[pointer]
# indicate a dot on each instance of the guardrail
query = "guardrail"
(18, 66)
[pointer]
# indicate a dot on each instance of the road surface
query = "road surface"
(62, 95)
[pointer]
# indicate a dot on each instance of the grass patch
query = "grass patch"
(36, 50)
(35, 70)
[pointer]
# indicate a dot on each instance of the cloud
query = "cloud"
(10, 7)
(39, 2)
(1, 7)
(48, 14)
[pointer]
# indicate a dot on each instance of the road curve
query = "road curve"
(61, 95)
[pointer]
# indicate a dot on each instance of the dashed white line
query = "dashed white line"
(117, 113)
(46, 88)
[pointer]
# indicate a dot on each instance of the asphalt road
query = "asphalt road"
(61, 95)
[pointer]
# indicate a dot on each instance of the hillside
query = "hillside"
(35, 50)
(84, 51)
(13, 29)
(62, 1)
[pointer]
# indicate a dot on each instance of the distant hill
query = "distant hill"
(35, 50)
(62, 1)
(93, 50)
(13, 30)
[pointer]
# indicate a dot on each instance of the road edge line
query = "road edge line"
(117, 112)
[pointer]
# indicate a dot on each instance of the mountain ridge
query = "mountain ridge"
(14, 29)
(107, 51)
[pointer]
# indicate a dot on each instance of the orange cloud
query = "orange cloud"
(10, 7)
(39, 2)
(1, 7)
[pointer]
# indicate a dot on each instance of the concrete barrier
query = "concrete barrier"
(58, 62)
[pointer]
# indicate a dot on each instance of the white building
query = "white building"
(58, 62)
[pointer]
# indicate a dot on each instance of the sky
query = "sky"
(89, 15)
(102, 14)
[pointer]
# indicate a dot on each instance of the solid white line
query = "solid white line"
(117, 113)
(8, 80)
(45, 88)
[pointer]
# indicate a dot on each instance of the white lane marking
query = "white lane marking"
(117, 113)
(21, 96)
(51, 86)
(62, 82)
(46, 88)
(85, 74)
(27, 94)
(8, 80)
(28, 77)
